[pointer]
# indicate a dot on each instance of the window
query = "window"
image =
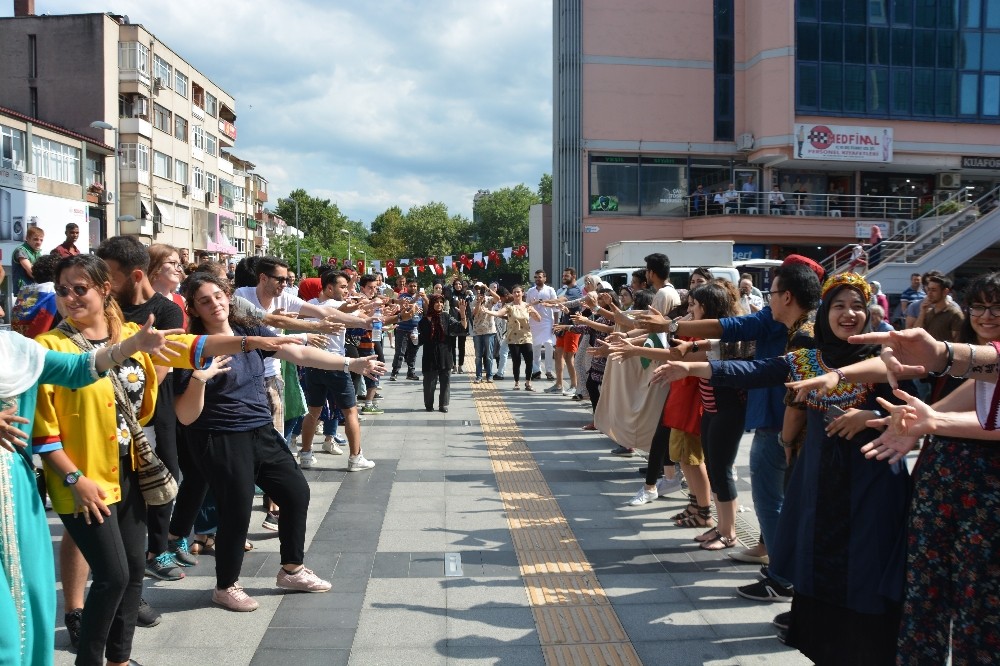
(55, 161)
(93, 169)
(211, 104)
(135, 156)
(181, 84)
(161, 118)
(199, 178)
(133, 57)
(239, 193)
(13, 144)
(725, 65)
(161, 164)
(211, 144)
(133, 106)
(211, 182)
(198, 137)
(181, 172)
(226, 194)
(180, 129)
(32, 56)
(162, 72)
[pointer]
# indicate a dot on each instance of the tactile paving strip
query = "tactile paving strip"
(577, 625)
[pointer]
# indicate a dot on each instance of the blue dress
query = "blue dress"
(27, 572)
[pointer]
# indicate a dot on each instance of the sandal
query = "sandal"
(710, 535)
(701, 519)
(689, 510)
(247, 547)
(203, 544)
(517, 387)
(589, 426)
(527, 387)
(720, 543)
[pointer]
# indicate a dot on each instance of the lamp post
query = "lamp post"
(298, 257)
(348, 232)
(101, 125)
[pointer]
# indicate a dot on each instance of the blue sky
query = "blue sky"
(371, 103)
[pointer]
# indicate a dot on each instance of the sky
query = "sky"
(370, 103)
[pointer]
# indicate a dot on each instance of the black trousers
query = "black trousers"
(164, 424)
(460, 348)
(721, 432)
(431, 380)
(116, 553)
(519, 353)
(406, 350)
(192, 490)
(659, 454)
(594, 391)
(233, 462)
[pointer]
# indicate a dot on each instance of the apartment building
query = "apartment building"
(861, 112)
(178, 182)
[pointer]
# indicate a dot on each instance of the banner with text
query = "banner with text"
(843, 143)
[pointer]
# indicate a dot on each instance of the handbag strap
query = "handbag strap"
(121, 400)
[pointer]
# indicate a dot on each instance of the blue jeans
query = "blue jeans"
(484, 354)
(767, 483)
(502, 354)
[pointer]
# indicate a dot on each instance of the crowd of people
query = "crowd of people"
(132, 370)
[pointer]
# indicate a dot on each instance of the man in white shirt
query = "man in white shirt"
(336, 386)
(749, 302)
(542, 335)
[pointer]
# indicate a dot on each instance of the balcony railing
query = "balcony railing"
(804, 204)
(260, 195)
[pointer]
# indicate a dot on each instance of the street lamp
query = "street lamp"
(101, 125)
(298, 257)
(348, 232)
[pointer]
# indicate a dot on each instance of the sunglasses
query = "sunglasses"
(79, 289)
(279, 280)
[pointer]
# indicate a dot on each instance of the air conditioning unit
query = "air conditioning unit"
(185, 190)
(745, 143)
(158, 226)
(208, 197)
(107, 197)
(158, 84)
(949, 181)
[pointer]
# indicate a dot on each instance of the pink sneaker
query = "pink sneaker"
(235, 599)
(303, 580)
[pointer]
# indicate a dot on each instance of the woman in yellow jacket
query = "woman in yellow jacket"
(85, 442)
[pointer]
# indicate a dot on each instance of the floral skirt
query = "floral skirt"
(952, 597)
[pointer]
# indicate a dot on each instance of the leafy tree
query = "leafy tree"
(323, 224)
(545, 188)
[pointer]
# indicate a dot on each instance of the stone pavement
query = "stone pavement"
(382, 538)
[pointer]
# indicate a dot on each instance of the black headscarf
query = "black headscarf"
(837, 353)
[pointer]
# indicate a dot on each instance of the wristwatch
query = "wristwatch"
(672, 326)
(695, 347)
(72, 478)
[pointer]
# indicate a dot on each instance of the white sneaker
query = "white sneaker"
(667, 486)
(303, 580)
(359, 463)
(306, 459)
(643, 497)
(330, 446)
(569, 391)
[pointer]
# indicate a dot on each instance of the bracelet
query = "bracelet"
(243, 344)
(694, 346)
(843, 377)
(203, 381)
(972, 362)
(950, 361)
(347, 364)
(784, 444)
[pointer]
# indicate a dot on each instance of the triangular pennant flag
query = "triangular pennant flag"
(507, 253)
(447, 262)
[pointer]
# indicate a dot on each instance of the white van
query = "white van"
(680, 276)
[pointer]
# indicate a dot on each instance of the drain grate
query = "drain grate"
(746, 532)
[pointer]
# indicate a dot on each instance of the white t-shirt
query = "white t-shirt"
(286, 302)
(666, 299)
(337, 340)
(534, 295)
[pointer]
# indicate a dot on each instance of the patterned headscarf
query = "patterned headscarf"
(836, 352)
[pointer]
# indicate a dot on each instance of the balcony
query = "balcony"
(135, 126)
(260, 195)
(197, 112)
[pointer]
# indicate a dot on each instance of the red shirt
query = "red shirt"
(64, 251)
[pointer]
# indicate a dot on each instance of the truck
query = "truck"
(623, 254)
(623, 257)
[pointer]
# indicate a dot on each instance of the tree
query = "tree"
(323, 224)
(545, 188)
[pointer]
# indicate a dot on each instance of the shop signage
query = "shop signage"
(18, 180)
(227, 128)
(976, 163)
(746, 252)
(843, 143)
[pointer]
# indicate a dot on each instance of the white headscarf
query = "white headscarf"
(23, 360)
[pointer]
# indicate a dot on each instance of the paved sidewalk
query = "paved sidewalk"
(382, 538)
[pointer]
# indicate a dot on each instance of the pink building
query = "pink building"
(825, 118)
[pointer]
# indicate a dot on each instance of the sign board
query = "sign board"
(591, 229)
(863, 228)
(743, 252)
(18, 180)
(843, 143)
(976, 163)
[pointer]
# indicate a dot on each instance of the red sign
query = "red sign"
(227, 128)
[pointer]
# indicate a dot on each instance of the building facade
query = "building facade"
(178, 181)
(859, 112)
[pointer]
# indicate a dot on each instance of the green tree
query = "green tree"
(323, 224)
(545, 188)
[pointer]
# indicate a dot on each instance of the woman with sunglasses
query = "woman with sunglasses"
(166, 273)
(230, 433)
(28, 574)
(85, 440)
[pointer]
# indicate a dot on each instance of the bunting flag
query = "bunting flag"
(377, 266)
(447, 262)
(437, 265)
(507, 252)
(361, 266)
(332, 261)
(317, 261)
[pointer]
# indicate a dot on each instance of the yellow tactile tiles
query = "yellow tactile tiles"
(576, 623)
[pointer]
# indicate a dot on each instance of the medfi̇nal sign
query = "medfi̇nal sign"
(981, 162)
(845, 143)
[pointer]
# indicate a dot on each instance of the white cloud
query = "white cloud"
(373, 104)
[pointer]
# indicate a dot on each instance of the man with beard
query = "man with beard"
(542, 337)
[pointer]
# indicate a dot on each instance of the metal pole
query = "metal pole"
(118, 182)
(298, 234)
(348, 246)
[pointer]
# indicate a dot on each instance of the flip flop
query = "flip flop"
(589, 426)
(720, 543)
